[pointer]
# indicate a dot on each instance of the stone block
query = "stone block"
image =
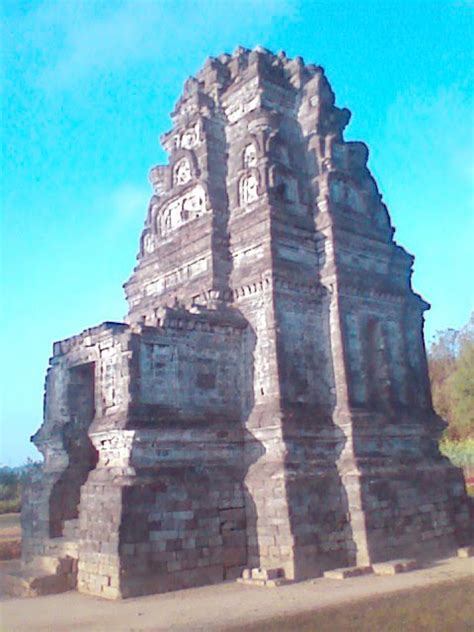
(394, 567)
(466, 551)
(247, 573)
(267, 573)
(347, 572)
(266, 578)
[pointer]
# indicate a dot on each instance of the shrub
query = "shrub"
(460, 453)
(11, 482)
(10, 506)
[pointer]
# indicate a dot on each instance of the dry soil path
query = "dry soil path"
(209, 609)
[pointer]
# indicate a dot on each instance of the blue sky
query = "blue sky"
(87, 88)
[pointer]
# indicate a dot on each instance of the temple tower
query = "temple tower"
(266, 403)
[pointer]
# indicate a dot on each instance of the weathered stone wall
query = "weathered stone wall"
(86, 381)
(164, 507)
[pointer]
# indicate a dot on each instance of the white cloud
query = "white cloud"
(70, 41)
(93, 43)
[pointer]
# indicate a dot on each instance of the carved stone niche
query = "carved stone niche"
(148, 243)
(182, 172)
(284, 184)
(248, 188)
(188, 139)
(250, 156)
(277, 148)
(182, 209)
(184, 167)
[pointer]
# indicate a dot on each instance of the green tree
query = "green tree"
(441, 363)
(451, 367)
(461, 384)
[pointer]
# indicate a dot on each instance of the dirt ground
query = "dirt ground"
(213, 608)
(444, 607)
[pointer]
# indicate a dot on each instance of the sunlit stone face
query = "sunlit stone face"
(190, 137)
(182, 172)
(248, 189)
(250, 156)
(183, 209)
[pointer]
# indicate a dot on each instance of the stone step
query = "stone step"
(347, 572)
(393, 567)
(267, 583)
(35, 579)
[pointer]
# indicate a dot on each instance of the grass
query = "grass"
(12, 480)
(10, 536)
(446, 607)
(11, 505)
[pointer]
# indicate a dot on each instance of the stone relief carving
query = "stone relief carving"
(181, 274)
(182, 172)
(242, 102)
(114, 447)
(194, 203)
(148, 243)
(190, 138)
(183, 209)
(172, 215)
(250, 156)
(248, 189)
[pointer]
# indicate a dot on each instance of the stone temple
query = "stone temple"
(266, 402)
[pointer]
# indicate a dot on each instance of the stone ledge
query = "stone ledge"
(349, 571)
(267, 583)
(392, 567)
